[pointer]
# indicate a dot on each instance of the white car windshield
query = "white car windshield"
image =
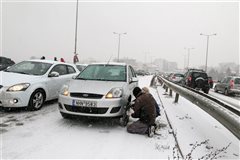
(29, 67)
(104, 73)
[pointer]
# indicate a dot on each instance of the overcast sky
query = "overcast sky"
(154, 30)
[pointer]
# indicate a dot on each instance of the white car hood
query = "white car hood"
(97, 87)
(10, 78)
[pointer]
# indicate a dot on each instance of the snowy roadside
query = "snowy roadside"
(194, 128)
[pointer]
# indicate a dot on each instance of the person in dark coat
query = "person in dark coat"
(146, 90)
(62, 60)
(144, 109)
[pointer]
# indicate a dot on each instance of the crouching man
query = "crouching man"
(144, 109)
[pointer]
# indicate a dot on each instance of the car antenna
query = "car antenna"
(109, 59)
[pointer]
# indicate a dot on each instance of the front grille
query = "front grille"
(86, 95)
(89, 110)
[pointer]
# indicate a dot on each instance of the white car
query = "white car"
(30, 83)
(100, 90)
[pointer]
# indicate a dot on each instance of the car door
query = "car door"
(55, 84)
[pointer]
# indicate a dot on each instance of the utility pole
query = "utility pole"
(207, 35)
(119, 39)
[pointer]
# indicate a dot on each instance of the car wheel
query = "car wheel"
(206, 91)
(36, 100)
(124, 120)
(215, 89)
(226, 92)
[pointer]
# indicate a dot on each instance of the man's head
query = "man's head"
(136, 91)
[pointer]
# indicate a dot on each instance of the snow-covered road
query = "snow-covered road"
(45, 134)
(234, 101)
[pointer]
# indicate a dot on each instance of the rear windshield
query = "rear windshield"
(199, 74)
(103, 73)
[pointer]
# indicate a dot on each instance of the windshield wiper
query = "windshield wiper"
(82, 78)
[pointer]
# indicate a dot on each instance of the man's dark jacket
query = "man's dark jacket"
(144, 108)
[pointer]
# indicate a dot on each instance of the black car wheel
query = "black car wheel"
(226, 92)
(215, 89)
(206, 91)
(36, 100)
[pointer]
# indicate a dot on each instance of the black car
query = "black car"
(197, 79)
(5, 62)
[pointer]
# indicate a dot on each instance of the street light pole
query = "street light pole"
(188, 49)
(75, 58)
(207, 35)
(119, 39)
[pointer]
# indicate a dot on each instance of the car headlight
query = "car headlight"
(114, 93)
(64, 90)
(18, 87)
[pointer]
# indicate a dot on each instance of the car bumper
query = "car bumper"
(104, 108)
(14, 99)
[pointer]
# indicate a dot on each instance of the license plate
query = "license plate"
(85, 103)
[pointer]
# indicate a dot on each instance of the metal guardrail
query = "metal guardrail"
(227, 118)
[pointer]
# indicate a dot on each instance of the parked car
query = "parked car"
(197, 79)
(100, 90)
(176, 77)
(5, 62)
(81, 66)
(30, 83)
(229, 85)
(210, 82)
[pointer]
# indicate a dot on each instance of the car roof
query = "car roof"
(110, 63)
(48, 61)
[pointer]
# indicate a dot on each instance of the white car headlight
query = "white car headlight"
(115, 93)
(64, 90)
(18, 87)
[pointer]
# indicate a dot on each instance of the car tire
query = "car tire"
(215, 89)
(226, 93)
(206, 91)
(123, 121)
(36, 100)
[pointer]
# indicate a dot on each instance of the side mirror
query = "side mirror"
(74, 77)
(53, 74)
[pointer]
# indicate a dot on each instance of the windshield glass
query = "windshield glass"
(104, 73)
(31, 68)
(81, 67)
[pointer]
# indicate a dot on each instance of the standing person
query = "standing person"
(146, 90)
(144, 109)
(62, 60)
(55, 58)
(75, 58)
(43, 57)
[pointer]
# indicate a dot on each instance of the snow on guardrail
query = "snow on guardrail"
(227, 118)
